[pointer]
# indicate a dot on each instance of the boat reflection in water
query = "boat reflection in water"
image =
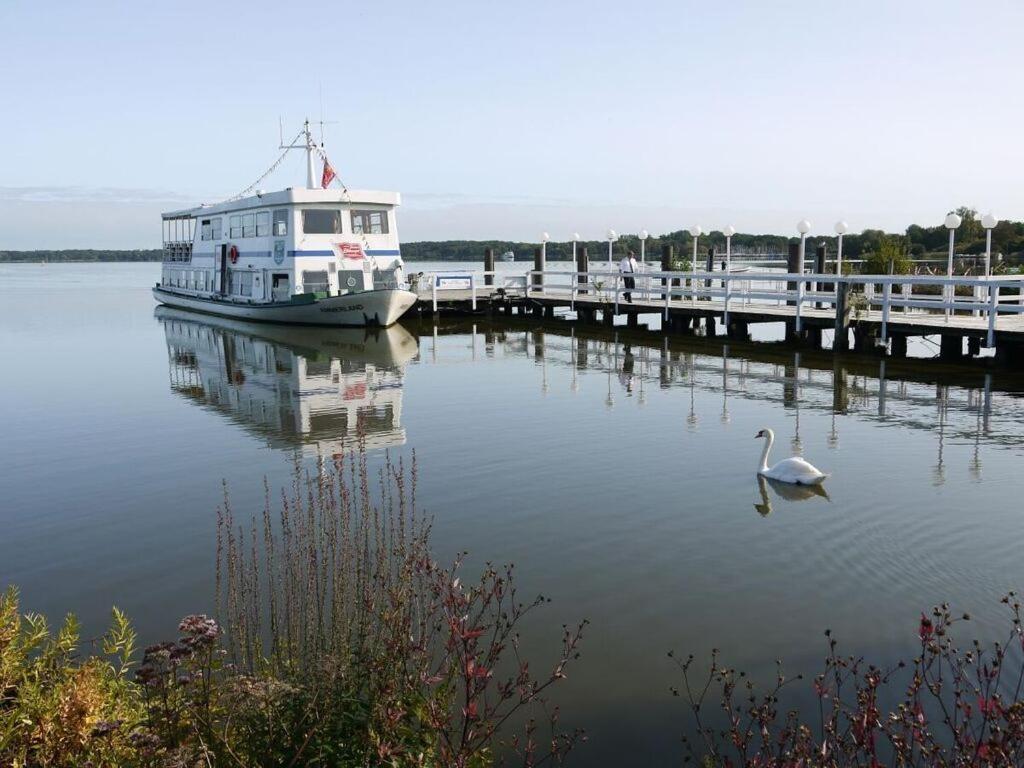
(317, 389)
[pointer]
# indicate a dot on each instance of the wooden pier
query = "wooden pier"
(877, 313)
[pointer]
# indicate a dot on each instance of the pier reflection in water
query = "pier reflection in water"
(954, 404)
(312, 388)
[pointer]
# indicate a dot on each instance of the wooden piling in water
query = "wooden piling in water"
(793, 266)
(899, 344)
(582, 267)
(841, 340)
(488, 265)
(951, 346)
(538, 266)
(738, 329)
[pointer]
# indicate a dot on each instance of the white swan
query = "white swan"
(792, 470)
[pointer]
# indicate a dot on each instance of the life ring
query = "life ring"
(233, 254)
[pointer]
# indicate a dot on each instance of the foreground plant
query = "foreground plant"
(949, 707)
(58, 709)
(387, 656)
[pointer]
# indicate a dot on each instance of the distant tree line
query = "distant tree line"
(871, 244)
(88, 254)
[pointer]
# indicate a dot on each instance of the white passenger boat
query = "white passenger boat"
(313, 255)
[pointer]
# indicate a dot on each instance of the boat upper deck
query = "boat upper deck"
(291, 196)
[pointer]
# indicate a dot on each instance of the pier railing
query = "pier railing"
(803, 295)
(469, 284)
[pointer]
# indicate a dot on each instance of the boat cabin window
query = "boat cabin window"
(280, 223)
(315, 282)
(370, 222)
(262, 223)
(321, 221)
(235, 227)
(211, 229)
(248, 225)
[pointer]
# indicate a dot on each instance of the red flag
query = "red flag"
(329, 174)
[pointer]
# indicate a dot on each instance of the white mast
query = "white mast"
(309, 147)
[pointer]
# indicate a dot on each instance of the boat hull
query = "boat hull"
(369, 308)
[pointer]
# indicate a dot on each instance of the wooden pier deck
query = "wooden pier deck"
(880, 312)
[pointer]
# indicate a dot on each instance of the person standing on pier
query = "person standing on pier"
(628, 267)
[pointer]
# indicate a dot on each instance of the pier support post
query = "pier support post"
(841, 341)
(582, 267)
(863, 341)
(488, 265)
(633, 319)
(973, 346)
(538, 266)
(899, 345)
(738, 329)
(608, 316)
(1010, 354)
(951, 347)
(813, 337)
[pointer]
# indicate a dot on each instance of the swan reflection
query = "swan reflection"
(786, 492)
(317, 389)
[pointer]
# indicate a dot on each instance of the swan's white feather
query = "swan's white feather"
(795, 470)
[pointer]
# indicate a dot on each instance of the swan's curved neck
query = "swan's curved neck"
(767, 447)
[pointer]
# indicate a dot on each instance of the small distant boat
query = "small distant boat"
(507, 256)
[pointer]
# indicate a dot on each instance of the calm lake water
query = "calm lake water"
(616, 472)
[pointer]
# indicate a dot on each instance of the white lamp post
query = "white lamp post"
(695, 233)
(988, 221)
(841, 229)
(729, 231)
(803, 227)
(643, 243)
(575, 240)
(611, 239)
(952, 222)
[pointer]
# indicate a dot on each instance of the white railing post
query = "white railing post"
(668, 290)
(616, 294)
(726, 286)
(573, 279)
(434, 292)
(886, 294)
(799, 305)
(472, 290)
(993, 310)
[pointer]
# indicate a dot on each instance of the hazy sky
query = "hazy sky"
(506, 119)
